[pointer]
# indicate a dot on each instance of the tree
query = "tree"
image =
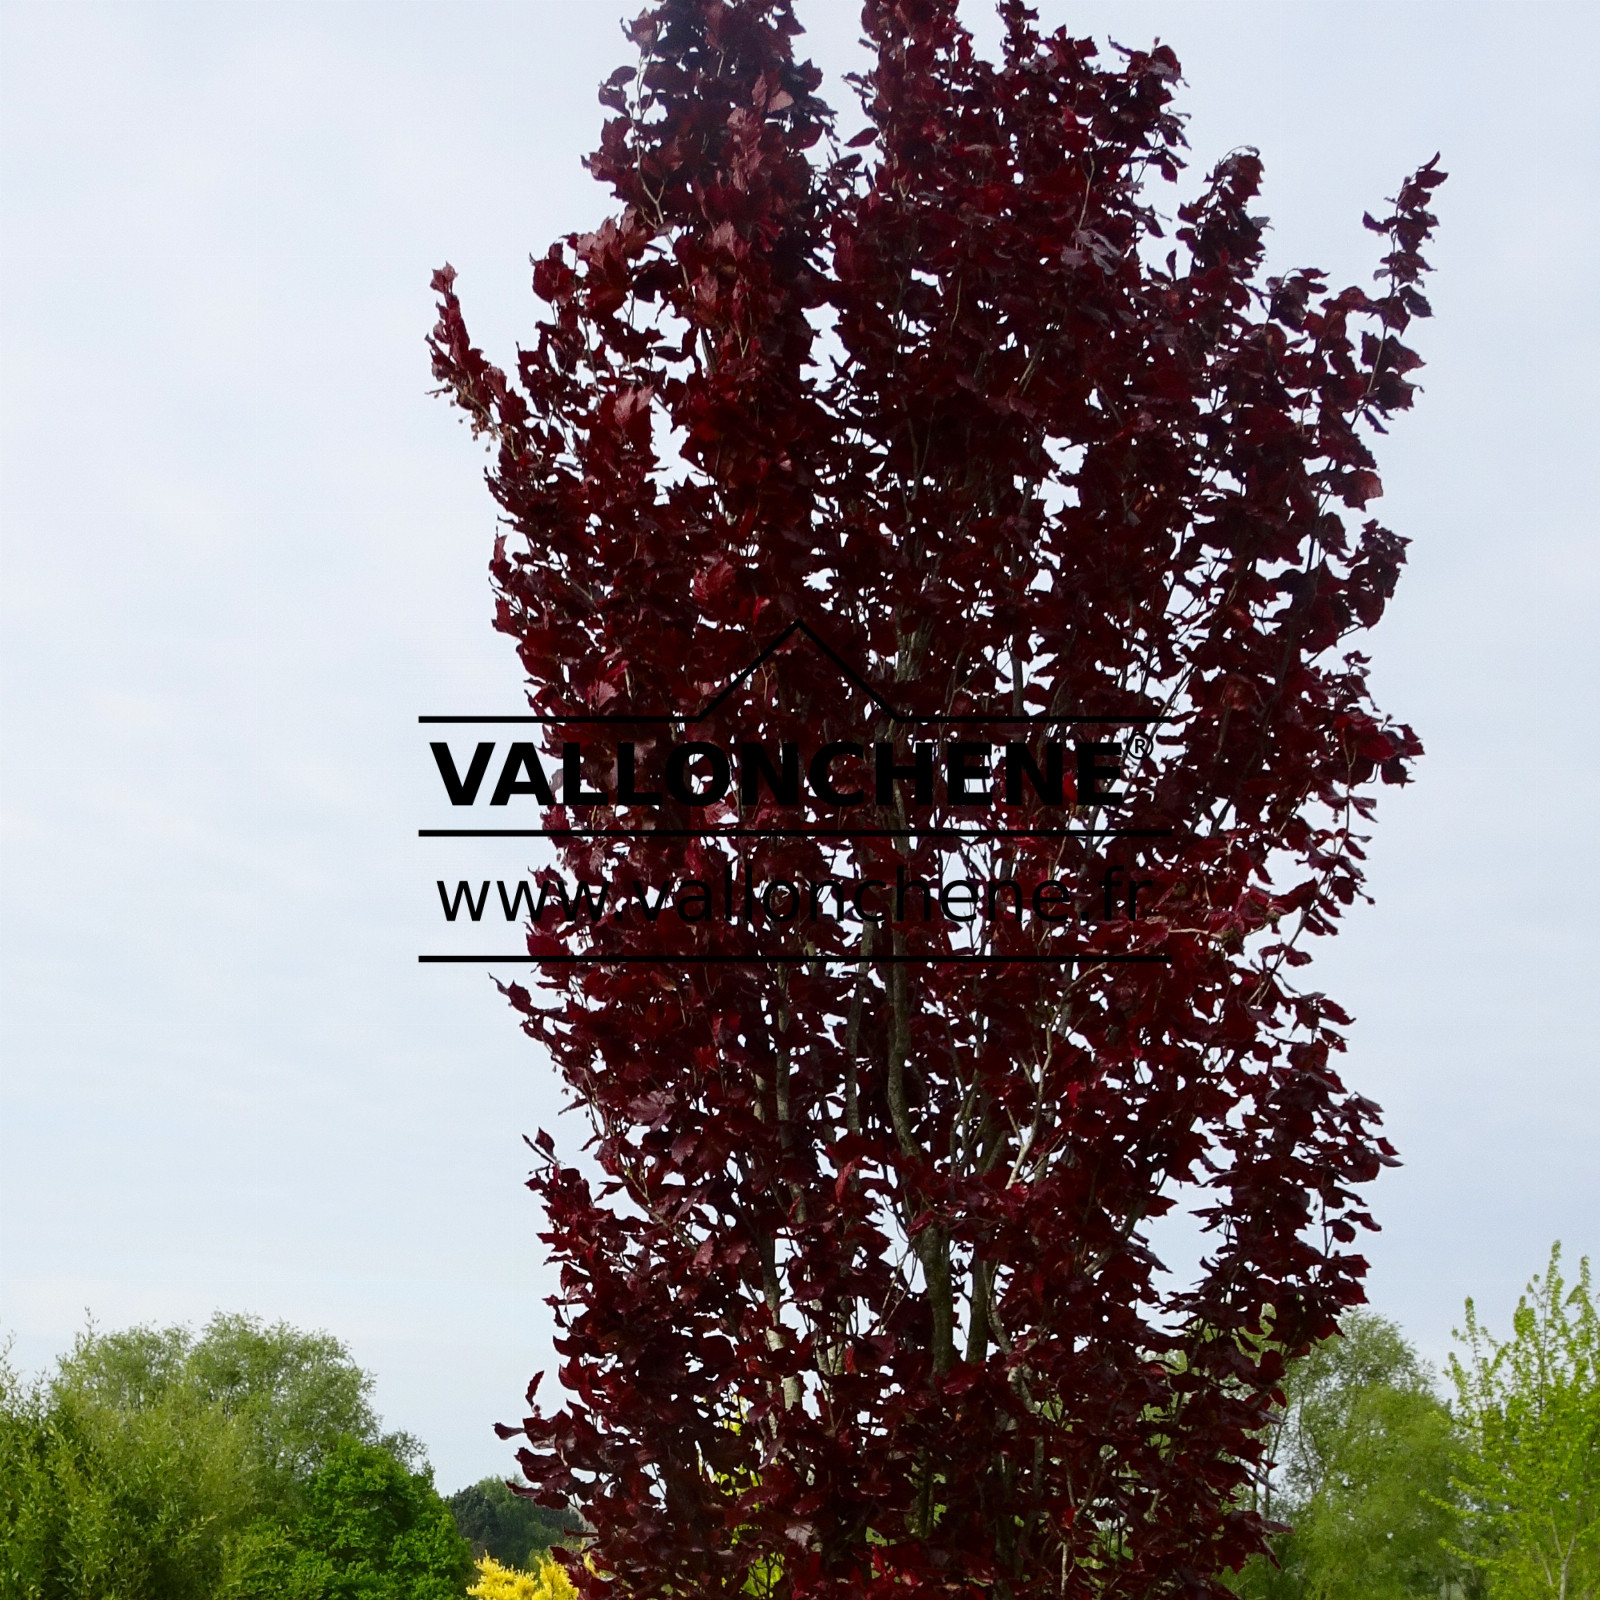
(299, 1393)
(1531, 1410)
(120, 1479)
(25, 1525)
(156, 1465)
(508, 1526)
(1362, 1456)
(368, 1529)
(864, 1302)
(295, 1393)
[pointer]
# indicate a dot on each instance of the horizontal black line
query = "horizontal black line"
(1045, 719)
(761, 959)
(794, 833)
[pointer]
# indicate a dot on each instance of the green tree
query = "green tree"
(1530, 1409)
(369, 1529)
(116, 1491)
(157, 1464)
(299, 1392)
(24, 1499)
(508, 1527)
(1362, 1457)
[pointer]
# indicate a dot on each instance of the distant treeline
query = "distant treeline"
(501, 1524)
(1396, 1490)
(247, 1464)
(243, 1464)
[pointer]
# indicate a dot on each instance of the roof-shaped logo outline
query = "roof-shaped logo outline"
(894, 713)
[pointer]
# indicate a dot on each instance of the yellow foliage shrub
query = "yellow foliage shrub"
(496, 1582)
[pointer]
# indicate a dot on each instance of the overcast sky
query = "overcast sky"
(243, 549)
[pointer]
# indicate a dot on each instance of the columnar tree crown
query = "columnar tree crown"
(866, 1302)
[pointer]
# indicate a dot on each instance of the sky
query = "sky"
(242, 548)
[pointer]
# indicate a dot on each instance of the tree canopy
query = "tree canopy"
(1530, 1410)
(1359, 1465)
(864, 1302)
(508, 1526)
(243, 1464)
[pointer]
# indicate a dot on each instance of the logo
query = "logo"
(670, 813)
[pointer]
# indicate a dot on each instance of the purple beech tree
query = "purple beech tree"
(866, 1303)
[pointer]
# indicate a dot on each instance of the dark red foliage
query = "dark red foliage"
(865, 1305)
